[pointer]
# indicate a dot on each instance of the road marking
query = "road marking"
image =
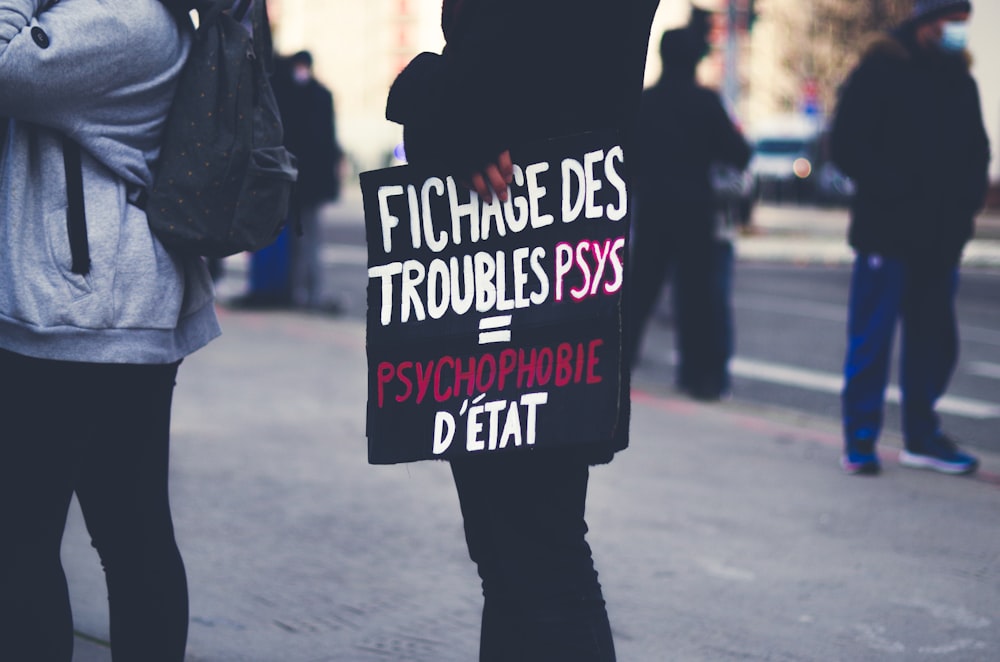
(984, 369)
(345, 254)
(978, 334)
(830, 312)
(826, 382)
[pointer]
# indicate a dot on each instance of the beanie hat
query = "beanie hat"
(302, 57)
(450, 11)
(928, 10)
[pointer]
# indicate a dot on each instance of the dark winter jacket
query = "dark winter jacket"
(909, 131)
(519, 71)
(683, 129)
(310, 134)
(516, 71)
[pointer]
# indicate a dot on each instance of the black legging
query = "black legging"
(525, 529)
(101, 431)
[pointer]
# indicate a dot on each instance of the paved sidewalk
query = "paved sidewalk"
(816, 235)
(725, 533)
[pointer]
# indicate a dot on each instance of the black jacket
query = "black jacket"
(683, 129)
(517, 71)
(309, 123)
(909, 131)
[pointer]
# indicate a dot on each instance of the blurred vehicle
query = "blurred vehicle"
(791, 163)
(783, 167)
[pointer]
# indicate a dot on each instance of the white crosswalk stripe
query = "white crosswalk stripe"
(831, 383)
(984, 369)
(344, 254)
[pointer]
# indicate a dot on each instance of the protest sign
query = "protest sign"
(495, 326)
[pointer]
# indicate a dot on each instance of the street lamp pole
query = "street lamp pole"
(731, 80)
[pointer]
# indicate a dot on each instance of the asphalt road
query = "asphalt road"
(790, 306)
(725, 533)
(790, 325)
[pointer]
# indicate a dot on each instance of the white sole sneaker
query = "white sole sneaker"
(914, 461)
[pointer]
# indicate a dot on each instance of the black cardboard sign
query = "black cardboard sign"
(496, 327)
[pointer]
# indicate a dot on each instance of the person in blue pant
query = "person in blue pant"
(909, 131)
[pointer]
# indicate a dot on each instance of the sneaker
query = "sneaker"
(704, 390)
(940, 454)
(859, 458)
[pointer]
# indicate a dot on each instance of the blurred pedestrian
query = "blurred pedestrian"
(512, 73)
(90, 348)
(307, 113)
(289, 272)
(909, 131)
(685, 132)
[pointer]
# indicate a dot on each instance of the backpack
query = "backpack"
(224, 179)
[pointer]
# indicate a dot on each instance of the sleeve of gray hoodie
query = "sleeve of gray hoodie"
(100, 71)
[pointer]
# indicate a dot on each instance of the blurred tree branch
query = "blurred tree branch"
(825, 39)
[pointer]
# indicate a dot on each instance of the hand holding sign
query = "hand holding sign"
(494, 177)
(494, 322)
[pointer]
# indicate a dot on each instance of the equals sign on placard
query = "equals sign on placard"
(494, 329)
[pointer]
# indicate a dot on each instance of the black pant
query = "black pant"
(101, 431)
(525, 528)
(673, 242)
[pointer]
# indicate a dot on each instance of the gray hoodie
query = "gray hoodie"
(102, 72)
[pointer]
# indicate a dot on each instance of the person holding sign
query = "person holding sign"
(514, 73)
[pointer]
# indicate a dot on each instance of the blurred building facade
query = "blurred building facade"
(791, 61)
(359, 46)
(986, 67)
(801, 50)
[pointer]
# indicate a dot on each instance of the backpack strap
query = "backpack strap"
(263, 46)
(240, 10)
(76, 216)
(210, 10)
(262, 41)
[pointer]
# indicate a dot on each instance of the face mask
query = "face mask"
(954, 36)
(301, 75)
